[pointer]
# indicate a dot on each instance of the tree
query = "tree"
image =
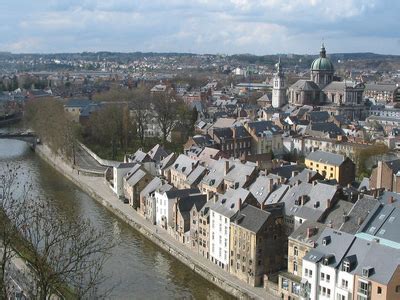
(165, 107)
(112, 125)
(65, 255)
(64, 251)
(11, 206)
(365, 154)
(140, 105)
(55, 128)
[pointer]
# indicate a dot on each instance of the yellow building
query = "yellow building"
(332, 166)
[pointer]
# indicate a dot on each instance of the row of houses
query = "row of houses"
(238, 215)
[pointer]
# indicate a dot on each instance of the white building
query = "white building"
(221, 213)
(118, 174)
(165, 201)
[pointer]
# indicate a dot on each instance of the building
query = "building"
(181, 169)
(221, 213)
(184, 210)
(332, 166)
(233, 141)
(266, 137)
(151, 201)
(345, 267)
(146, 193)
(119, 172)
(300, 242)
(165, 201)
(386, 176)
(335, 97)
(279, 98)
(382, 92)
(134, 182)
(200, 230)
(256, 242)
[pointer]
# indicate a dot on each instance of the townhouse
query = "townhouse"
(256, 243)
(332, 166)
(221, 214)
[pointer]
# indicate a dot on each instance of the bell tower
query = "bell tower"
(279, 87)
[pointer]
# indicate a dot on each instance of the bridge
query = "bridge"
(26, 136)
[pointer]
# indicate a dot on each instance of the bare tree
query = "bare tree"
(65, 255)
(165, 107)
(140, 104)
(12, 197)
(64, 251)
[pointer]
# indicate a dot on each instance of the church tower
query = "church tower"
(279, 88)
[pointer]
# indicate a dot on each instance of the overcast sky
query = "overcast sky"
(200, 26)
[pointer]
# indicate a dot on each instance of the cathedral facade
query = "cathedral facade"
(327, 93)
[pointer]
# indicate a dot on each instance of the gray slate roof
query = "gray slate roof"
(251, 218)
(227, 204)
(326, 157)
(337, 246)
(358, 213)
(305, 85)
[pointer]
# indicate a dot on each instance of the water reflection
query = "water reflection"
(140, 269)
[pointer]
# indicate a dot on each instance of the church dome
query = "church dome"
(322, 63)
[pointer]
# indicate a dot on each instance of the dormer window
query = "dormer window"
(367, 271)
(346, 266)
(326, 240)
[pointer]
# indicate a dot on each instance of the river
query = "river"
(137, 268)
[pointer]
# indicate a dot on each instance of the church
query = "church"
(324, 90)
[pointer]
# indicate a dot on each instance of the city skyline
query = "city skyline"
(202, 26)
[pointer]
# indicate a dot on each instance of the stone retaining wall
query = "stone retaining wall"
(184, 258)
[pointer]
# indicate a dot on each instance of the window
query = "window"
(295, 266)
(340, 297)
(328, 278)
(345, 283)
(322, 276)
(397, 288)
(285, 284)
(306, 272)
(363, 288)
(379, 290)
(346, 266)
(295, 251)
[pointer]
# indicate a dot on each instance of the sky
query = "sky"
(200, 26)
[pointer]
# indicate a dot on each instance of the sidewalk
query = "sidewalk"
(98, 188)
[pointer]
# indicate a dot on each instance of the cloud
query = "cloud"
(230, 26)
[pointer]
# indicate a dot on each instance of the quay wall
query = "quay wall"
(200, 269)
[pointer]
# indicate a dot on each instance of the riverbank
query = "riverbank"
(97, 188)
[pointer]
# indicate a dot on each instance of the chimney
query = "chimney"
(359, 221)
(226, 167)
(239, 204)
(379, 175)
(271, 184)
(215, 198)
(310, 232)
(209, 195)
(328, 203)
(295, 173)
(391, 200)
(345, 218)
(309, 176)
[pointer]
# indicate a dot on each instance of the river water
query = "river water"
(138, 269)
